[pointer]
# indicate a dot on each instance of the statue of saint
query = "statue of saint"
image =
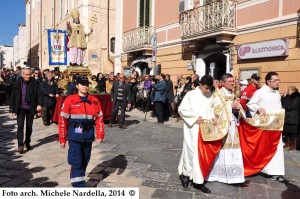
(77, 39)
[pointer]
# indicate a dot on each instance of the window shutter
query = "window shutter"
(144, 13)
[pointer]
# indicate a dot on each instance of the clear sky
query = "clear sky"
(12, 13)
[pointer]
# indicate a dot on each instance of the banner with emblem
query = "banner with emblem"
(57, 46)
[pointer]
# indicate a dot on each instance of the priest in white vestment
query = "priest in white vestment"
(228, 167)
(267, 100)
(194, 108)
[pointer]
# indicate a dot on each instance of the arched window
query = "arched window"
(112, 44)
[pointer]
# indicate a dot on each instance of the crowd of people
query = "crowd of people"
(198, 102)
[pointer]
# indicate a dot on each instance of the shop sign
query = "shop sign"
(272, 48)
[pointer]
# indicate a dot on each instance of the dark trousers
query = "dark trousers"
(79, 155)
(47, 113)
(2, 98)
(166, 111)
(21, 116)
(159, 111)
(115, 110)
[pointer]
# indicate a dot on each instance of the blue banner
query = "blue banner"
(57, 45)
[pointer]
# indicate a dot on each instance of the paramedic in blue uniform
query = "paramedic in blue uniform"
(80, 119)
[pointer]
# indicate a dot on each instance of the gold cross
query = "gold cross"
(94, 19)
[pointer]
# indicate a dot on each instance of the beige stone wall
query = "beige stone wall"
(288, 67)
(99, 38)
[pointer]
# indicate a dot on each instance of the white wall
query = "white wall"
(19, 48)
(7, 53)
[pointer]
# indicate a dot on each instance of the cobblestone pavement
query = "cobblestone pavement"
(144, 155)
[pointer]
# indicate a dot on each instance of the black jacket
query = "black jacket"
(16, 95)
(46, 90)
(291, 104)
(101, 85)
(126, 92)
(169, 91)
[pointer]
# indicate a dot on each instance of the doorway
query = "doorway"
(142, 68)
(215, 65)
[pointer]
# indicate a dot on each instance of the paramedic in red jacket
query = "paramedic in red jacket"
(80, 114)
(249, 91)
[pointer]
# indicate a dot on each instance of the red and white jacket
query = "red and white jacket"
(76, 110)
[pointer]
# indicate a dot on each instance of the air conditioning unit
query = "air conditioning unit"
(185, 5)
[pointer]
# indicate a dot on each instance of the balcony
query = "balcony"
(217, 20)
(138, 39)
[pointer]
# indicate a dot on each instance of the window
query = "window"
(247, 72)
(144, 19)
(44, 22)
(52, 16)
(67, 6)
(112, 44)
(33, 4)
(60, 9)
(38, 28)
(28, 8)
(187, 5)
(32, 32)
(73, 3)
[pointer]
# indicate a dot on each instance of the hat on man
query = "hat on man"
(75, 13)
(255, 76)
(82, 80)
(244, 82)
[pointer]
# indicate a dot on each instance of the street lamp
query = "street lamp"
(103, 48)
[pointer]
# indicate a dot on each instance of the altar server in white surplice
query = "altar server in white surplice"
(195, 107)
(228, 167)
(268, 100)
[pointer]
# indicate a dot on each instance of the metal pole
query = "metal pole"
(41, 35)
(30, 34)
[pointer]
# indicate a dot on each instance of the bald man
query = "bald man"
(25, 99)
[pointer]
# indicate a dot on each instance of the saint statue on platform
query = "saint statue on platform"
(77, 39)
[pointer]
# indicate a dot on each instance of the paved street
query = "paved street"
(145, 155)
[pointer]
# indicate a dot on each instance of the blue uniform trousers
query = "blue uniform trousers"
(78, 157)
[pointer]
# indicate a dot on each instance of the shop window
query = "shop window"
(247, 72)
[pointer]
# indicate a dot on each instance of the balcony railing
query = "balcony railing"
(207, 19)
(138, 38)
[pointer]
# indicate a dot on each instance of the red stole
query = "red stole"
(258, 147)
(207, 153)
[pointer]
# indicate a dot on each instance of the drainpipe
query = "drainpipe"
(108, 39)
(30, 34)
(41, 36)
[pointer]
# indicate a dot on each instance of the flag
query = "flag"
(57, 47)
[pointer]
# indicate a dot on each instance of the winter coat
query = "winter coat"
(291, 104)
(159, 91)
(169, 91)
(47, 89)
(16, 95)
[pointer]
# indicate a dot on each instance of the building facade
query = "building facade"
(206, 36)
(42, 15)
(6, 56)
(19, 47)
(271, 29)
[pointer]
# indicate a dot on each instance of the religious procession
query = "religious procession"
(172, 113)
